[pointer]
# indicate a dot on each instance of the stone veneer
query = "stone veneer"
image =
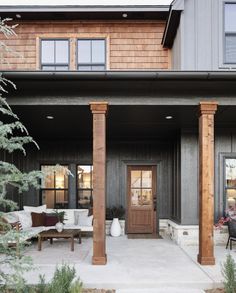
(180, 234)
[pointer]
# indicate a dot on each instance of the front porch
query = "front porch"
(132, 265)
(138, 133)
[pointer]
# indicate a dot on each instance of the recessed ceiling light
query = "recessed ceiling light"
(18, 16)
(169, 117)
(49, 117)
(124, 15)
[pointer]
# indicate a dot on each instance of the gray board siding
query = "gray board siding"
(200, 37)
(177, 170)
(119, 156)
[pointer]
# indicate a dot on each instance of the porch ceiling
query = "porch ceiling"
(123, 122)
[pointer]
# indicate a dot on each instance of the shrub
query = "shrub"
(229, 274)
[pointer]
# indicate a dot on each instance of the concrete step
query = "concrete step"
(160, 290)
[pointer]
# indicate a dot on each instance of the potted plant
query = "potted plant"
(61, 218)
(115, 213)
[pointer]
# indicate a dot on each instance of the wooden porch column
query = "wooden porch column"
(206, 183)
(99, 110)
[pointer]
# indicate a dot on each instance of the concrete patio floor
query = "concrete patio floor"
(134, 265)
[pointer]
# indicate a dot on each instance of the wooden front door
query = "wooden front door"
(141, 194)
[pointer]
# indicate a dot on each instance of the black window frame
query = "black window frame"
(91, 64)
(78, 189)
(226, 33)
(54, 189)
(55, 65)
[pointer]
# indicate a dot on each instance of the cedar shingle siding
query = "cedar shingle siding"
(130, 44)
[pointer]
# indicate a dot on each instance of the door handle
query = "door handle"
(154, 204)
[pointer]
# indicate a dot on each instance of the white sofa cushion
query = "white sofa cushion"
(80, 216)
(25, 219)
(39, 209)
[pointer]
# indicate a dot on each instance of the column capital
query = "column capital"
(206, 108)
(99, 107)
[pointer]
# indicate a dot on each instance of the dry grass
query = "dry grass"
(219, 290)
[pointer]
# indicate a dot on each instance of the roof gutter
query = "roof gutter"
(121, 75)
(84, 8)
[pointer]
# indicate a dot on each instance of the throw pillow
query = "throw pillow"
(50, 220)
(17, 225)
(25, 220)
(39, 209)
(38, 219)
(10, 217)
(86, 221)
(78, 214)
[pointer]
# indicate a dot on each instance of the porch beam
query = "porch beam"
(206, 182)
(99, 110)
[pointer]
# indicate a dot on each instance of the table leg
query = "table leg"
(39, 243)
(80, 238)
(51, 240)
(72, 243)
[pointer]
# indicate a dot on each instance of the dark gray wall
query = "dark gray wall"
(119, 155)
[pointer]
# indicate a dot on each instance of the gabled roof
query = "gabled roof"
(176, 7)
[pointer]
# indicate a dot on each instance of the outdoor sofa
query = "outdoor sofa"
(74, 219)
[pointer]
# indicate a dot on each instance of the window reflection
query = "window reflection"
(85, 186)
(54, 191)
(230, 188)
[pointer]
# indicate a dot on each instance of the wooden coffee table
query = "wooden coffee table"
(66, 234)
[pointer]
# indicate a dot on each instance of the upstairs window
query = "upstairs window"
(230, 33)
(91, 54)
(55, 54)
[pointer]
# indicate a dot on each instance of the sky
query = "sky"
(83, 2)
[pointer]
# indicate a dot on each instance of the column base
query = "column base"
(206, 260)
(99, 260)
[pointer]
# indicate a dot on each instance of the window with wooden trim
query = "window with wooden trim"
(230, 183)
(230, 33)
(91, 54)
(55, 54)
(54, 191)
(85, 186)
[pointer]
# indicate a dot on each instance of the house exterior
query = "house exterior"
(139, 103)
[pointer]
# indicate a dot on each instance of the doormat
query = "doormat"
(144, 236)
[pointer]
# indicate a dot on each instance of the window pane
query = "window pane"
(230, 17)
(84, 68)
(61, 179)
(230, 50)
(62, 51)
(136, 179)
(147, 179)
(85, 198)
(98, 68)
(61, 68)
(146, 197)
(61, 199)
(85, 176)
(47, 53)
(136, 197)
(84, 51)
(98, 51)
(230, 172)
(48, 198)
(48, 68)
(49, 180)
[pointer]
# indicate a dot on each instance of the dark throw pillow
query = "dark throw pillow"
(38, 219)
(50, 220)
